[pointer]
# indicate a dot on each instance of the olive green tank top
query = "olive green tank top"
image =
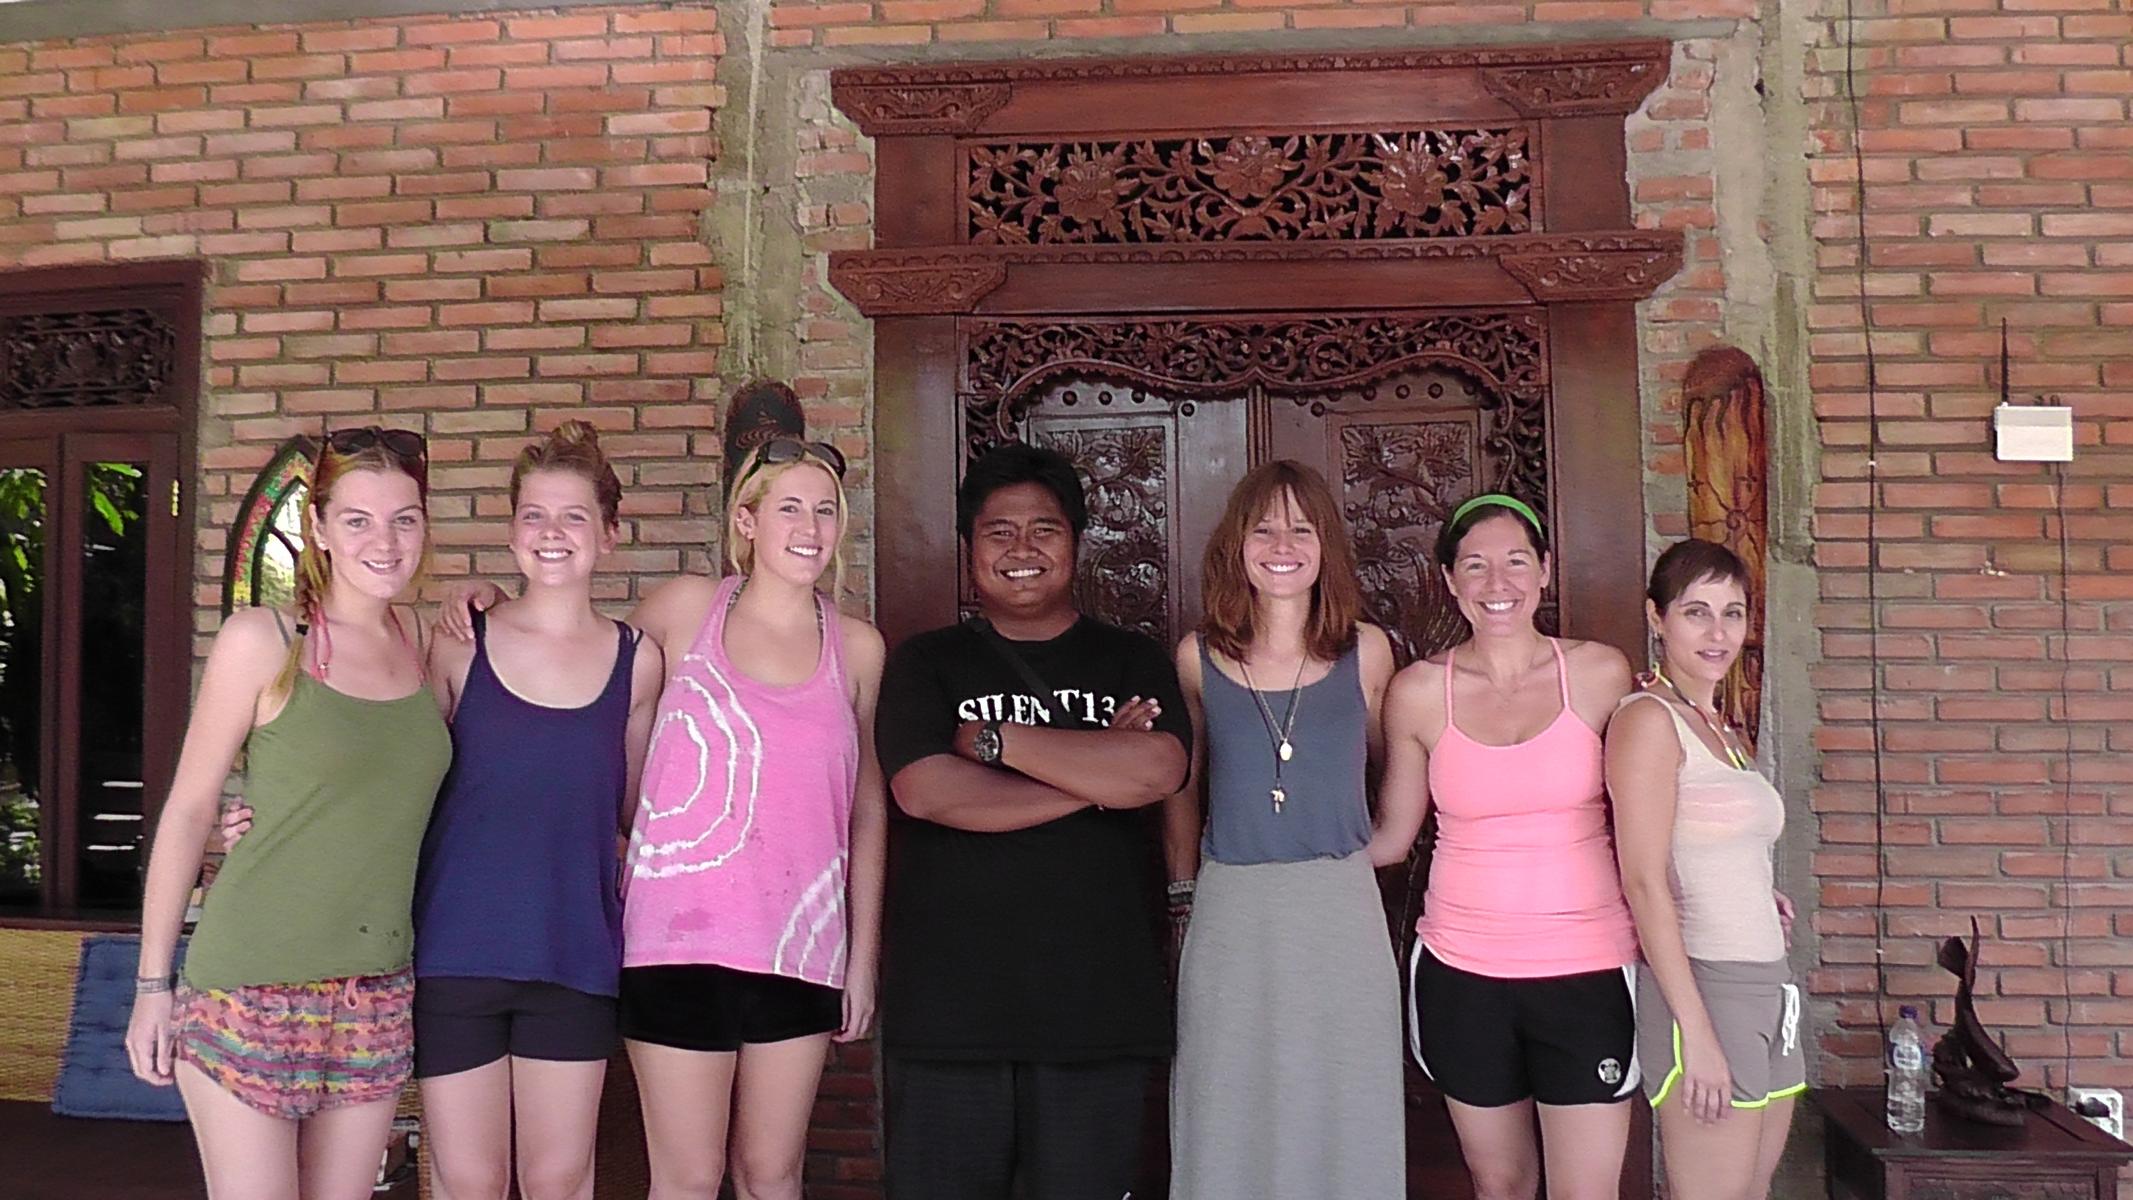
(323, 885)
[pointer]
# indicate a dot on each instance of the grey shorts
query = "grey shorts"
(1756, 1009)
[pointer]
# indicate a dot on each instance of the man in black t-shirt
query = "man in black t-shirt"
(1023, 1002)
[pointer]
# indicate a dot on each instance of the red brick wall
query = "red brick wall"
(476, 227)
(1999, 169)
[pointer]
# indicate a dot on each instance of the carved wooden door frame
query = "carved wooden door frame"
(1486, 182)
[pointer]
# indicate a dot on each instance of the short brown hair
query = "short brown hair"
(574, 447)
(1225, 592)
(1689, 562)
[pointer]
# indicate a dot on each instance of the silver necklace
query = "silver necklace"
(1284, 749)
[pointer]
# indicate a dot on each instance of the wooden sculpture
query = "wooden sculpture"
(1971, 1069)
(1727, 452)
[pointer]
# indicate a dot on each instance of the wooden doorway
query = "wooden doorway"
(1412, 269)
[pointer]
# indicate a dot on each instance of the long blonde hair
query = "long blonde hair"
(755, 479)
(314, 566)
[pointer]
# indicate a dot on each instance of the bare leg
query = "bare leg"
(558, 1109)
(687, 1098)
(1777, 1126)
(774, 1096)
(339, 1150)
(1501, 1149)
(1583, 1145)
(469, 1118)
(1715, 1161)
(245, 1154)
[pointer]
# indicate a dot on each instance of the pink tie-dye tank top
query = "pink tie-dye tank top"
(737, 856)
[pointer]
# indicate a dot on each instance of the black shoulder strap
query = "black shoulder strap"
(1028, 674)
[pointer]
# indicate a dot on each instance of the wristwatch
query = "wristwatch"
(986, 746)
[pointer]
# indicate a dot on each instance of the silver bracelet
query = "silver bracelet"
(1180, 890)
(149, 985)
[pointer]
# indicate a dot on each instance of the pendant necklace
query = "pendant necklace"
(1720, 727)
(1284, 749)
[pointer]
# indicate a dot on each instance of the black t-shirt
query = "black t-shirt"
(1039, 944)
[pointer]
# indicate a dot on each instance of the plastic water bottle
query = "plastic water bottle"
(1907, 1073)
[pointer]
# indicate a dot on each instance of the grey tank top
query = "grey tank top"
(1326, 813)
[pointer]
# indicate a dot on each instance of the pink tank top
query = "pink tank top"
(1523, 883)
(737, 858)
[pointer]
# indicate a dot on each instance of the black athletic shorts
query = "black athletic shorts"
(698, 1007)
(463, 1023)
(1563, 1039)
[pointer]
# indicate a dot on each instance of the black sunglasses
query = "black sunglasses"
(404, 444)
(781, 450)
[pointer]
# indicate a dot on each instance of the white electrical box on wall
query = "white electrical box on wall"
(2033, 433)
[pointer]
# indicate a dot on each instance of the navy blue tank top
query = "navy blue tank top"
(518, 871)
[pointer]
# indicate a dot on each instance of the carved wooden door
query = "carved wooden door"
(1410, 268)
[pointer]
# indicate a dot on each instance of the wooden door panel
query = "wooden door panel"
(1157, 472)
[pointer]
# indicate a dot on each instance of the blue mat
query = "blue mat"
(94, 1080)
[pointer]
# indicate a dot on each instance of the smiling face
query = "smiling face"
(792, 524)
(1497, 576)
(373, 531)
(1702, 631)
(557, 533)
(1022, 552)
(1281, 550)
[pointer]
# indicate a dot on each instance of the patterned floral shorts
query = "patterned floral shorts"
(292, 1049)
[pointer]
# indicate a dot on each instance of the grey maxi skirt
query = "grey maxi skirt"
(1287, 1081)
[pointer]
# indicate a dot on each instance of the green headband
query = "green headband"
(1499, 500)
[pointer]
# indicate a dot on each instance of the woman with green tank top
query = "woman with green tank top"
(290, 1034)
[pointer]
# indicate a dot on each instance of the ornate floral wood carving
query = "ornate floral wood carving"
(1608, 268)
(1253, 187)
(888, 285)
(1535, 80)
(1575, 88)
(1727, 455)
(954, 279)
(919, 107)
(1125, 555)
(1507, 351)
(1399, 482)
(86, 359)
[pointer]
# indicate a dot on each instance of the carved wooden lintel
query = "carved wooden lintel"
(1606, 267)
(1594, 58)
(886, 109)
(1554, 267)
(896, 283)
(1575, 89)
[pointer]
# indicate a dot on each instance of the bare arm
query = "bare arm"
(1643, 765)
(953, 791)
(1110, 768)
(863, 651)
(647, 677)
(246, 657)
(1403, 790)
(1183, 810)
(673, 613)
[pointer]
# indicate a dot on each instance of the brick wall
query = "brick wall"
(1999, 168)
(474, 227)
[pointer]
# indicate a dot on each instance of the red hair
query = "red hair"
(1226, 593)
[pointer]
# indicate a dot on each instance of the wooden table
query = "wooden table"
(2053, 1155)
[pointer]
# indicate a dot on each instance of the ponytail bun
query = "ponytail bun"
(574, 433)
(573, 446)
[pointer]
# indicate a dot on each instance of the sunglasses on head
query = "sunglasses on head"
(781, 450)
(401, 443)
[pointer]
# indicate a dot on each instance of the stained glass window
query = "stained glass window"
(262, 562)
